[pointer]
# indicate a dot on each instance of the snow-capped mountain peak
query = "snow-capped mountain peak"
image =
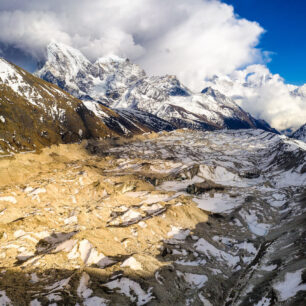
(61, 56)
(216, 94)
(72, 71)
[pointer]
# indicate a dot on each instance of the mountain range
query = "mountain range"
(120, 84)
(70, 98)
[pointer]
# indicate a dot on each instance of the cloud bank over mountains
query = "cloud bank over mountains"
(264, 95)
(194, 39)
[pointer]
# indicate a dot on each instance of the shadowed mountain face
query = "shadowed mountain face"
(35, 113)
(179, 218)
(120, 84)
(300, 133)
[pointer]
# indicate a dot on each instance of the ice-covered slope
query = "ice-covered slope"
(300, 133)
(35, 113)
(121, 84)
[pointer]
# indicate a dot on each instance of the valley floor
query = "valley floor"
(178, 218)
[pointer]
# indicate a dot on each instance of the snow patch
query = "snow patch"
(90, 255)
(83, 291)
(178, 233)
(263, 302)
(71, 220)
(218, 203)
(132, 263)
(95, 301)
(4, 300)
(194, 280)
(8, 199)
(259, 229)
(291, 284)
(35, 302)
(132, 290)
(211, 251)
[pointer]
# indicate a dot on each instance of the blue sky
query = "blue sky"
(285, 25)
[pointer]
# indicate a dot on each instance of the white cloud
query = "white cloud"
(192, 39)
(30, 31)
(265, 96)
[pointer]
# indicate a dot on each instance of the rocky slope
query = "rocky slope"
(121, 84)
(35, 113)
(179, 218)
(300, 133)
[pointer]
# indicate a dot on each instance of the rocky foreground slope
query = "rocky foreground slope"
(35, 113)
(179, 218)
(120, 84)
